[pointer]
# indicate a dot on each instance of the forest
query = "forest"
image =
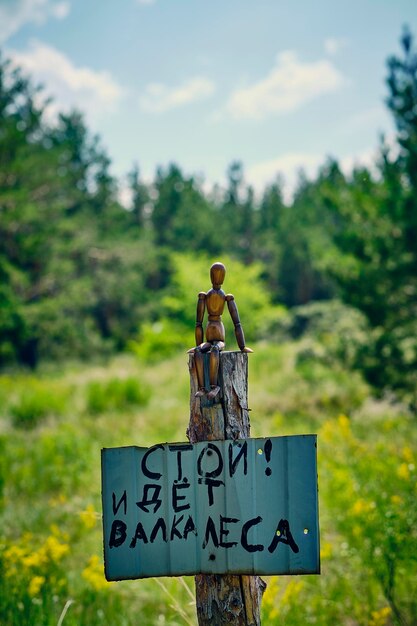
(97, 311)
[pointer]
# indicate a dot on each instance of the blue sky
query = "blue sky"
(277, 84)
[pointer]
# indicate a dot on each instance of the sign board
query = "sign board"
(247, 506)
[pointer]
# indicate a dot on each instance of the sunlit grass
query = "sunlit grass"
(50, 491)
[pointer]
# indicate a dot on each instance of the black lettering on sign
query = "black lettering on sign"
(147, 472)
(160, 525)
(224, 531)
(208, 450)
(117, 533)
(150, 500)
(210, 531)
(117, 506)
(139, 535)
(250, 547)
(189, 527)
(283, 535)
(178, 448)
(174, 529)
(233, 463)
(175, 497)
(268, 449)
(210, 482)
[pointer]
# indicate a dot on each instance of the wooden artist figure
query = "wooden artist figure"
(214, 301)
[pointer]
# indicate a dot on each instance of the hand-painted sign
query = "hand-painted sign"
(247, 506)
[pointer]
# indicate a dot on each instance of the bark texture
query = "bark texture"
(224, 599)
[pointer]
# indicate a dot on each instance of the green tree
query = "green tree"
(183, 218)
(140, 197)
(373, 253)
(72, 280)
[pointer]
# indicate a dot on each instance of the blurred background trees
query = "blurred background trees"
(82, 276)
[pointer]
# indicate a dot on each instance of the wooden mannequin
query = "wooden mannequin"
(214, 301)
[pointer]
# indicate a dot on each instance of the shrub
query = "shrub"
(60, 461)
(117, 394)
(162, 340)
(371, 494)
(36, 401)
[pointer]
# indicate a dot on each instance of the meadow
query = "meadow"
(54, 424)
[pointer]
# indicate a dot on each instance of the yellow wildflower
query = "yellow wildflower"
(379, 618)
(271, 591)
(35, 559)
(35, 585)
(344, 425)
(326, 550)
(55, 530)
(13, 557)
(362, 506)
(14, 553)
(396, 499)
(270, 602)
(408, 454)
(327, 431)
(58, 501)
(403, 471)
(89, 516)
(292, 591)
(55, 549)
(94, 575)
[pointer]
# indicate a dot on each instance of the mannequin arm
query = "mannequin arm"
(201, 305)
(234, 314)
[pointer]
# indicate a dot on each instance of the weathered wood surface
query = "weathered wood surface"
(224, 599)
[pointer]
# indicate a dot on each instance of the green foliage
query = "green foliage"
(79, 273)
(338, 333)
(308, 385)
(173, 332)
(29, 573)
(161, 340)
(54, 460)
(370, 227)
(116, 394)
(366, 476)
(372, 487)
(3, 470)
(252, 299)
(34, 401)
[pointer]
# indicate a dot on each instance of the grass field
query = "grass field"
(54, 424)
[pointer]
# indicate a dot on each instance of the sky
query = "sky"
(276, 84)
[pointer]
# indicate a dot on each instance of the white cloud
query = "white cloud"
(369, 157)
(61, 10)
(290, 84)
(376, 118)
(146, 1)
(366, 158)
(333, 45)
(288, 166)
(90, 91)
(16, 13)
(159, 98)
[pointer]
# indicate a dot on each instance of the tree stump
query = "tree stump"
(224, 599)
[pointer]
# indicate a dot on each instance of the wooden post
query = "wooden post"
(224, 599)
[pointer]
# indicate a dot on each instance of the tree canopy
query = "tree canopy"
(81, 274)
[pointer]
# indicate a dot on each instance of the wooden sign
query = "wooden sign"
(248, 506)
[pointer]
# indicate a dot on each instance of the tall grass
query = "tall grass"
(51, 569)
